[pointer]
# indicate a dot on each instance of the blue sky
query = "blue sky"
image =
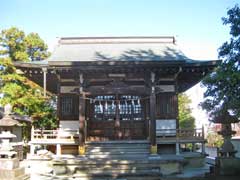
(188, 19)
(196, 23)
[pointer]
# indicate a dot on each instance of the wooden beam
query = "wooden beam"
(98, 90)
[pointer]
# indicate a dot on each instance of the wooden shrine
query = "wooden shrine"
(118, 88)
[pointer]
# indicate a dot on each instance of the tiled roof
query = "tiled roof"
(117, 49)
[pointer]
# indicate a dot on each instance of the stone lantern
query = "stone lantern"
(7, 122)
(9, 163)
(226, 162)
(6, 149)
(225, 119)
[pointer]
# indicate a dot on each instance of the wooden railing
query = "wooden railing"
(72, 135)
(54, 135)
(181, 134)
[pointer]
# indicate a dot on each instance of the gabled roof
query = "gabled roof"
(117, 49)
(132, 50)
(118, 54)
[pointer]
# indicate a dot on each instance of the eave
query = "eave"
(191, 73)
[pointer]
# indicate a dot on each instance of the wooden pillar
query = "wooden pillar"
(81, 147)
(153, 116)
(44, 81)
(176, 96)
(117, 121)
(81, 119)
(203, 142)
(58, 97)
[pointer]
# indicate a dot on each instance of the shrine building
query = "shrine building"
(117, 89)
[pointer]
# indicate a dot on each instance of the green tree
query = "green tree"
(36, 47)
(186, 120)
(12, 44)
(25, 96)
(223, 86)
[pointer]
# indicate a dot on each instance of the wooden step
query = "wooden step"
(120, 150)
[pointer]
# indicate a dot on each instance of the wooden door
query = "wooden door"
(116, 117)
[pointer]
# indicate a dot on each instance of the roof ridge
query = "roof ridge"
(117, 39)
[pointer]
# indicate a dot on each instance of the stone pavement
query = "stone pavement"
(188, 174)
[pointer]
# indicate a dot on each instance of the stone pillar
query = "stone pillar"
(203, 148)
(58, 150)
(177, 149)
(193, 147)
(32, 149)
(153, 115)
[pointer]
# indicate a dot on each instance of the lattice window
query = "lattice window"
(129, 106)
(166, 105)
(69, 107)
(104, 108)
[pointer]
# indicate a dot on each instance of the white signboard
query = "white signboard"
(166, 127)
(69, 125)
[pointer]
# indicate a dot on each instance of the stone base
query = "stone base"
(153, 149)
(14, 174)
(9, 164)
(228, 165)
(171, 168)
(194, 160)
(81, 150)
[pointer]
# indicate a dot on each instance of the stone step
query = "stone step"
(82, 172)
(118, 156)
(113, 145)
(131, 160)
(94, 177)
(122, 170)
(115, 152)
(117, 147)
(115, 166)
(119, 142)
